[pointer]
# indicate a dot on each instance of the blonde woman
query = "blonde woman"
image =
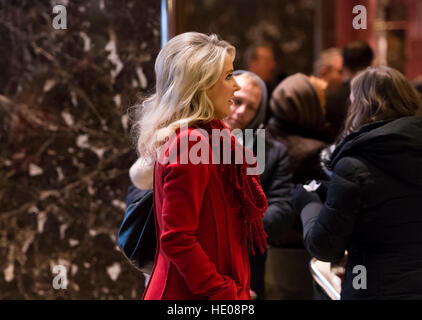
(204, 210)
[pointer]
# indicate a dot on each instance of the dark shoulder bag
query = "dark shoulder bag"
(137, 238)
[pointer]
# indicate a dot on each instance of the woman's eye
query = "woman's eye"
(229, 76)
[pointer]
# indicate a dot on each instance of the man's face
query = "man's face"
(245, 104)
(333, 74)
(264, 64)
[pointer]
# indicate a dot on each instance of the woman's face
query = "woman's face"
(222, 92)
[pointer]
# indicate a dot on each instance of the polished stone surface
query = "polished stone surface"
(64, 143)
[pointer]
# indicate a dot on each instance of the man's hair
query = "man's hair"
(325, 59)
(357, 55)
(251, 51)
(250, 78)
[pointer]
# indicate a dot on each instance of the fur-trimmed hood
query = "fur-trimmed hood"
(142, 174)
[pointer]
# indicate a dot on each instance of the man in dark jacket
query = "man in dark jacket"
(372, 210)
(248, 112)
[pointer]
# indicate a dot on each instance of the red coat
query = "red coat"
(201, 254)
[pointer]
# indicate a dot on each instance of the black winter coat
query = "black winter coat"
(373, 210)
(276, 181)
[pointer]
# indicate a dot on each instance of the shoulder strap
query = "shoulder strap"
(157, 242)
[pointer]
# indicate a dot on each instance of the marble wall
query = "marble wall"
(64, 143)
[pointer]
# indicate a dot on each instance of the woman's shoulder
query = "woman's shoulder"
(274, 145)
(352, 168)
(188, 145)
(276, 151)
(191, 132)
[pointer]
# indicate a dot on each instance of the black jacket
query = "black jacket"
(276, 182)
(373, 210)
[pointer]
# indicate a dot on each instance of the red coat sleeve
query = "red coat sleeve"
(184, 188)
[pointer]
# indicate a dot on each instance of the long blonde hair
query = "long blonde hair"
(185, 68)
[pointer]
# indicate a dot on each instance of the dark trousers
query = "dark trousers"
(257, 263)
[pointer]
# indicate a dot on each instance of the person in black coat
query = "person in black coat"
(371, 207)
(248, 112)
